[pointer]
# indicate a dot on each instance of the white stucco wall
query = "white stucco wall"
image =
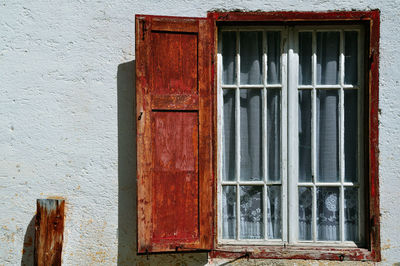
(67, 127)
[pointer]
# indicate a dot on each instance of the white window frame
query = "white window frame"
(289, 135)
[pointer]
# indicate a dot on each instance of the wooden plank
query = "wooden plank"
(49, 229)
(304, 253)
(175, 177)
(295, 16)
(174, 63)
(175, 102)
(143, 133)
(206, 157)
(175, 24)
(373, 134)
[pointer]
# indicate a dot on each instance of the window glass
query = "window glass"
(305, 52)
(228, 55)
(328, 57)
(274, 134)
(228, 143)
(327, 135)
(251, 57)
(250, 134)
(273, 57)
(350, 57)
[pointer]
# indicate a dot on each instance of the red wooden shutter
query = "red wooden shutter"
(174, 133)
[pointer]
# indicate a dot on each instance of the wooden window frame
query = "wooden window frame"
(370, 20)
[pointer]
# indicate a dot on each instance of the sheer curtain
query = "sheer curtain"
(251, 147)
(327, 133)
(251, 197)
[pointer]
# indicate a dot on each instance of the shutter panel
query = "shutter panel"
(174, 134)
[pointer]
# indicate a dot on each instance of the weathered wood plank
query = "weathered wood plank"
(205, 136)
(143, 133)
(179, 102)
(175, 177)
(49, 229)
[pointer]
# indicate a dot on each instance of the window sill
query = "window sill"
(293, 252)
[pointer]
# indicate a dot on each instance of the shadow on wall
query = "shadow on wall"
(127, 181)
(28, 248)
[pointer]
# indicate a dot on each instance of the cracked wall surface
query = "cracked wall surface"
(67, 122)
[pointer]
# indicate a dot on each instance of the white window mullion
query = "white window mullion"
(292, 139)
(237, 133)
(220, 128)
(313, 134)
(341, 136)
(265, 209)
(283, 137)
(264, 133)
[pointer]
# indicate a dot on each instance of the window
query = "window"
(258, 177)
(257, 132)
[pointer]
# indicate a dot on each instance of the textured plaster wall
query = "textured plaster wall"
(67, 126)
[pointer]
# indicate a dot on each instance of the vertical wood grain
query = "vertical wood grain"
(175, 177)
(49, 229)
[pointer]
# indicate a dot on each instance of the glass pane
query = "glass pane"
(228, 57)
(350, 57)
(274, 134)
(229, 212)
(305, 213)
(328, 57)
(228, 138)
(274, 212)
(305, 136)
(328, 213)
(250, 134)
(273, 57)
(250, 57)
(350, 135)
(327, 136)
(305, 52)
(251, 212)
(350, 214)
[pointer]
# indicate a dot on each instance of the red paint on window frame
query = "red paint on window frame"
(371, 20)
